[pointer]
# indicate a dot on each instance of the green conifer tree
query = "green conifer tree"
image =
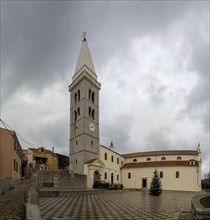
(156, 187)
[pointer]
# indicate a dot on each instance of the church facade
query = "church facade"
(178, 169)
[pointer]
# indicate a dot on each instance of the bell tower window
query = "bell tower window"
(78, 111)
(93, 97)
(75, 115)
(93, 114)
(78, 95)
(89, 94)
(75, 98)
(89, 112)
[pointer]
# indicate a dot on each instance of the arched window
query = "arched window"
(117, 177)
(134, 160)
(117, 160)
(179, 158)
(89, 112)
(91, 142)
(177, 174)
(78, 111)
(161, 174)
(75, 98)
(75, 115)
(93, 97)
(78, 95)
(148, 159)
(112, 158)
(192, 162)
(105, 156)
(105, 175)
(129, 175)
(93, 114)
(76, 142)
(89, 94)
(163, 158)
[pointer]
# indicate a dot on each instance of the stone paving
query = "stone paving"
(12, 202)
(117, 205)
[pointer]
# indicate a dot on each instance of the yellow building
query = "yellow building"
(42, 159)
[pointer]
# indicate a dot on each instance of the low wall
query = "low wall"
(32, 208)
(5, 184)
(61, 180)
(197, 209)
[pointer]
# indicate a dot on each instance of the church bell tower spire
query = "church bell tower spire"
(84, 111)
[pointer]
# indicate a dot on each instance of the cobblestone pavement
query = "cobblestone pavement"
(117, 205)
(12, 202)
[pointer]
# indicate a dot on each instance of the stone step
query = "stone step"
(49, 193)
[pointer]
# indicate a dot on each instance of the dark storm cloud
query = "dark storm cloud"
(34, 44)
(37, 37)
(40, 42)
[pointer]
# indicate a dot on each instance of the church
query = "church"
(178, 169)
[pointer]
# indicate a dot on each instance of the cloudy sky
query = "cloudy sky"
(152, 59)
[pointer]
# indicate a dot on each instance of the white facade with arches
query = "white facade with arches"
(178, 170)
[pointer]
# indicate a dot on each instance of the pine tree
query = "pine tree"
(155, 188)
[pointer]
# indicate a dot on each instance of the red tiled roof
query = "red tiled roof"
(36, 150)
(158, 153)
(159, 164)
(107, 148)
(90, 161)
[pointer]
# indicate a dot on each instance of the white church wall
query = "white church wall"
(188, 178)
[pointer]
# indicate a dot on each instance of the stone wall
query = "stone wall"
(61, 180)
(197, 208)
(5, 184)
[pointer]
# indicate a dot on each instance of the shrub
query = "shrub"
(100, 185)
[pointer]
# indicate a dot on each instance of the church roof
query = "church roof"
(160, 164)
(84, 58)
(160, 153)
(91, 161)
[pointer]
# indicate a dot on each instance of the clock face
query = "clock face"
(92, 127)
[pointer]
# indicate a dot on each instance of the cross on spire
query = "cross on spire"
(84, 36)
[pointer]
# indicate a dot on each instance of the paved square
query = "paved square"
(116, 205)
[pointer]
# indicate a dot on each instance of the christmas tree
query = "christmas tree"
(155, 188)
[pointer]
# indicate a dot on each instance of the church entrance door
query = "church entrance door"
(112, 178)
(96, 176)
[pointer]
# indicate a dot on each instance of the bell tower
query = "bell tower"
(84, 112)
